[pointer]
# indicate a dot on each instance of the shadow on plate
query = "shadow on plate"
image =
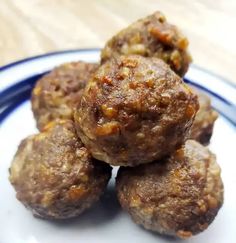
(167, 238)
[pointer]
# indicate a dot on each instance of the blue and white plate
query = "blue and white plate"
(105, 222)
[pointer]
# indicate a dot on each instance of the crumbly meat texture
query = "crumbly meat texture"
(203, 124)
(57, 93)
(152, 36)
(178, 196)
(55, 176)
(134, 110)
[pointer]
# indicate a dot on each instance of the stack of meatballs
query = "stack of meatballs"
(132, 110)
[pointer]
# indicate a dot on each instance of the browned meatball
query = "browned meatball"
(203, 124)
(54, 175)
(152, 36)
(178, 196)
(134, 110)
(56, 94)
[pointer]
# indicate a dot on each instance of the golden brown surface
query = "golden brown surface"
(134, 110)
(203, 124)
(56, 94)
(178, 196)
(35, 27)
(55, 176)
(151, 36)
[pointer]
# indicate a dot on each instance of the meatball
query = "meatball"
(152, 36)
(178, 196)
(134, 110)
(55, 176)
(56, 94)
(203, 124)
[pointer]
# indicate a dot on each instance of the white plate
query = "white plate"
(105, 222)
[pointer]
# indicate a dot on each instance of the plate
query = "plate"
(105, 221)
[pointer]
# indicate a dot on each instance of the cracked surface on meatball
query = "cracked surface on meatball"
(178, 196)
(54, 175)
(203, 124)
(57, 93)
(152, 36)
(134, 110)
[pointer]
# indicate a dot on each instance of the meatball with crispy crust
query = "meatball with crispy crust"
(56, 94)
(134, 110)
(152, 36)
(178, 196)
(55, 176)
(203, 124)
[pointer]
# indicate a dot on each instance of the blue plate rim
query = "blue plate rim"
(24, 60)
(14, 95)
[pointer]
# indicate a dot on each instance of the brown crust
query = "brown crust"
(203, 124)
(134, 110)
(178, 196)
(152, 36)
(57, 93)
(55, 176)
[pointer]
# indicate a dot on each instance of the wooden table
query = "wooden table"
(31, 27)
